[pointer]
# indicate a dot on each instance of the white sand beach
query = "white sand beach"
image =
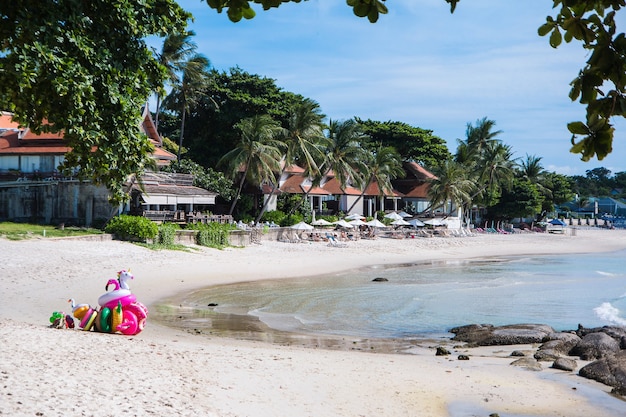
(168, 372)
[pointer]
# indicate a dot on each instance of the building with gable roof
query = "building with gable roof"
(33, 190)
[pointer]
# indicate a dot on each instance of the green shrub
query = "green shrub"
(275, 216)
(167, 233)
(133, 228)
(213, 235)
(291, 220)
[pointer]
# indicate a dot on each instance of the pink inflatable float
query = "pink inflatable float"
(118, 311)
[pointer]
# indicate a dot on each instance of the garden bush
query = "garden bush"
(134, 228)
(214, 235)
(167, 233)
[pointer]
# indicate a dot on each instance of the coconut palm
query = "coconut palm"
(305, 140)
(494, 169)
(450, 185)
(188, 92)
(258, 152)
(383, 166)
(481, 135)
(176, 50)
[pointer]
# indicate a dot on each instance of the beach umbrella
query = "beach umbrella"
(557, 222)
(434, 222)
(393, 216)
(375, 223)
(354, 216)
(400, 222)
(343, 223)
(302, 226)
(416, 223)
(404, 214)
(321, 222)
(357, 222)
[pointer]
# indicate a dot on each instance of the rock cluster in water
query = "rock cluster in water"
(604, 346)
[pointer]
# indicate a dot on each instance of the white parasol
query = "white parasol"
(302, 226)
(375, 223)
(393, 216)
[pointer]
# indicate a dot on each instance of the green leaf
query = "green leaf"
(578, 128)
(545, 29)
(555, 38)
(248, 13)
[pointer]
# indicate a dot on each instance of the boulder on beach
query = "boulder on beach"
(489, 335)
(610, 370)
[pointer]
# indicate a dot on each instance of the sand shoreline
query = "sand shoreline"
(166, 371)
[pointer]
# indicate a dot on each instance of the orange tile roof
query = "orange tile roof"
(418, 170)
(11, 144)
(334, 187)
(6, 121)
(315, 190)
(293, 185)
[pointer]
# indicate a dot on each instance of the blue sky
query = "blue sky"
(419, 65)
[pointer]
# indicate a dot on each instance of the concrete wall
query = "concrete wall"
(55, 202)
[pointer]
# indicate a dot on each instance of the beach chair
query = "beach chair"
(333, 242)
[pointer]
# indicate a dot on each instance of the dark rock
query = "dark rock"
(518, 353)
(616, 332)
(488, 335)
(463, 358)
(528, 363)
(609, 370)
(380, 279)
(547, 355)
(565, 364)
(212, 305)
(559, 345)
(442, 351)
(595, 346)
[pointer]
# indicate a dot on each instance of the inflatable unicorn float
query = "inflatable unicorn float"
(118, 311)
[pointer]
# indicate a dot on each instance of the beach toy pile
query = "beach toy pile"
(118, 311)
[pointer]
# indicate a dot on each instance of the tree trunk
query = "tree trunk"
(180, 139)
(243, 179)
(274, 186)
(361, 196)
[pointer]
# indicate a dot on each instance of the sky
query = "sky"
(419, 65)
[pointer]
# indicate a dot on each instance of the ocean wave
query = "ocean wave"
(609, 313)
(608, 274)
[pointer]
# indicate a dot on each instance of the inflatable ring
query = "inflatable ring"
(138, 309)
(110, 299)
(104, 320)
(78, 310)
(96, 322)
(87, 322)
(129, 324)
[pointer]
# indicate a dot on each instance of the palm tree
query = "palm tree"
(384, 166)
(176, 50)
(305, 140)
(450, 185)
(532, 170)
(259, 152)
(480, 136)
(494, 170)
(345, 155)
(188, 92)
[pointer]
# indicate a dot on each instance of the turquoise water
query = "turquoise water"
(425, 300)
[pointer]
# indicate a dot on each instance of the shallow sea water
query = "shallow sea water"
(426, 300)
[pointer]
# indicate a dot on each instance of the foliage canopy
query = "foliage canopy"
(84, 68)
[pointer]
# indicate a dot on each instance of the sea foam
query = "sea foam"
(609, 313)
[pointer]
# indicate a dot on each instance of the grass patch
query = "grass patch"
(18, 231)
(161, 246)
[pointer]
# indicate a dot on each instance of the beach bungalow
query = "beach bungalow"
(32, 189)
(330, 197)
